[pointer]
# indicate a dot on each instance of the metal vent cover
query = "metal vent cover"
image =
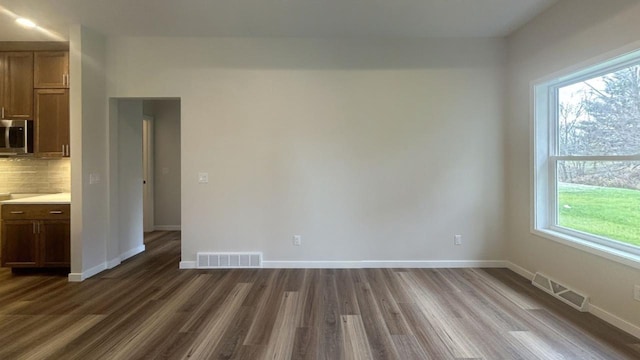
(227, 260)
(561, 292)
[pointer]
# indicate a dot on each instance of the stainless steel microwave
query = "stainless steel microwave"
(16, 137)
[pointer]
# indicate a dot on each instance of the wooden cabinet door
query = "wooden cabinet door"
(19, 243)
(17, 84)
(52, 122)
(55, 243)
(51, 70)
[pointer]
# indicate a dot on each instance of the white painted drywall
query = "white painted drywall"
(369, 149)
(89, 210)
(130, 205)
(569, 33)
(166, 163)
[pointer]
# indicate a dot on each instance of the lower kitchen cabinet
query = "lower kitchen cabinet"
(36, 236)
(19, 244)
(55, 245)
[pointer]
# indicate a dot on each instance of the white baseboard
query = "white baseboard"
(79, 277)
(367, 264)
(520, 270)
(167, 227)
(595, 310)
(133, 252)
(615, 321)
(75, 277)
(113, 263)
(187, 264)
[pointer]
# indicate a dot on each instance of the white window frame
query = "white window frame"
(544, 123)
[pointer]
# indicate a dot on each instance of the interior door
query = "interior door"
(147, 173)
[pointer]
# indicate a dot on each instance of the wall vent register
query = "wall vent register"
(216, 260)
(561, 292)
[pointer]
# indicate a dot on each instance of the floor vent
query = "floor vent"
(208, 260)
(563, 293)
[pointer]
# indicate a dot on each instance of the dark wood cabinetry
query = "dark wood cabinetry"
(51, 99)
(36, 235)
(52, 122)
(34, 86)
(16, 85)
(51, 70)
(19, 244)
(55, 245)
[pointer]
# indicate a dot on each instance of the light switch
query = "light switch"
(203, 178)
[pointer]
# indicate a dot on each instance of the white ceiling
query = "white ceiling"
(273, 18)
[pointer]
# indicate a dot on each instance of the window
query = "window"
(586, 151)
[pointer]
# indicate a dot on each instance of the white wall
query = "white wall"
(569, 33)
(166, 190)
(89, 210)
(371, 150)
(129, 177)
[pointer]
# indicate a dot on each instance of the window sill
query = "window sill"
(606, 252)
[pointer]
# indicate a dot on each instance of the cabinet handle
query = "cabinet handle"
(17, 212)
(55, 212)
(34, 228)
(38, 228)
(3, 112)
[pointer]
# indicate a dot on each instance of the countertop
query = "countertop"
(60, 198)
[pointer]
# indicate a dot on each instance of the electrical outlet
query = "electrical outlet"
(636, 292)
(297, 240)
(203, 178)
(457, 240)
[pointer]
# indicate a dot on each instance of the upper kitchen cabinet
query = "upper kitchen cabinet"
(16, 85)
(51, 70)
(52, 122)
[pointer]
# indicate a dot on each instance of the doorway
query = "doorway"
(147, 173)
(161, 164)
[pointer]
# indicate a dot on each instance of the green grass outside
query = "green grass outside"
(609, 212)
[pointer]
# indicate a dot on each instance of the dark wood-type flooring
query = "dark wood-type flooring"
(149, 309)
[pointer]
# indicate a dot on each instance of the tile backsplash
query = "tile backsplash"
(29, 175)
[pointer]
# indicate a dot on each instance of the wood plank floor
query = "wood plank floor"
(148, 309)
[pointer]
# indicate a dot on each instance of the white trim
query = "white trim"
(78, 277)
(615, 321)
(520, 270)
(124, 256)
(167, 228)
(133, 252)
(75, 277)
(187, 265)
(590, 247)
(366, 264)
(635, 157)
(593, 309)
(113, 262)
(543, 123)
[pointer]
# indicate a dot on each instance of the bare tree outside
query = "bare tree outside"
(600, 117)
